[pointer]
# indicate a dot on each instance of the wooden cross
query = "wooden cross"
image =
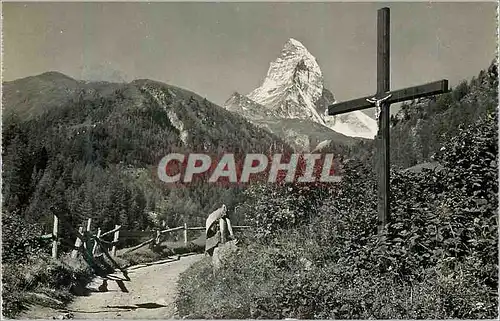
(382, 101)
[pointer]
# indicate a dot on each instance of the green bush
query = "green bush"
(270, 208)
(20, 239)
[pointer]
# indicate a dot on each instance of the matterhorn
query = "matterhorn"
(293, 89)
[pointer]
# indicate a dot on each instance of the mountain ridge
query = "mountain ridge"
(95, 130)
(302, 134)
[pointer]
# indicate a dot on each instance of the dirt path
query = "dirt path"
(151, 294)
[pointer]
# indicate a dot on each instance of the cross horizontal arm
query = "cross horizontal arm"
(430, 89)
(350, 105)
(410, 93)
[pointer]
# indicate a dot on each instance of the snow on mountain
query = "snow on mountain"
(355, 124)
(292, 85)
(248, 108)
(301, 134)
(293, 88)
(321, 145)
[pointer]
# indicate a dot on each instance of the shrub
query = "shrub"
(20, 239)
(270, 208)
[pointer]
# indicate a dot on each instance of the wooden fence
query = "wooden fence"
(154, 236)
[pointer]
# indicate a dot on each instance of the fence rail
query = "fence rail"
(118, 233)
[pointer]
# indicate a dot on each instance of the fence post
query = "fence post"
(222, 226)
(78, 243)
(89, 221)
(95, 244)
(185, 234)
(230, 228)
(115, 241)
(55, 229)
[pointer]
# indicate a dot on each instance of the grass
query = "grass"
(42, 280)
(230, 292)
(293, 278)
(203, 295)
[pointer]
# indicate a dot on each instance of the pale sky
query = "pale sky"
(215, 49)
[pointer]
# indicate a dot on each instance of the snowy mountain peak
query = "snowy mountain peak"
(293, 83)
(293, 45)
(295, 42)
(294, 89)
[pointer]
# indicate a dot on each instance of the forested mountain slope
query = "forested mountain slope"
(421, 127)
(91, 150)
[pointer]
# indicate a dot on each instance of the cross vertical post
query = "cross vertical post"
(382, 100)
(383, 86)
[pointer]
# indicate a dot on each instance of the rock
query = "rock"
(306, 263)
(221, 252)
